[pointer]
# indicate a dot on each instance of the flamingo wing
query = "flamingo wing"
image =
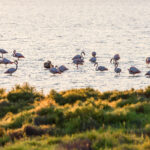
(54, 70)
(3, 51)
(62, 68)
(148, 73)
(117, 70)
(7, 61)
(102, 68)
(10, 70)
(76, 57)
(19, 55)
(93, 59)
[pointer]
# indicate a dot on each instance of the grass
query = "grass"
(74, 119)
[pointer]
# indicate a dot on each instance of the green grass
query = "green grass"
(74, 119)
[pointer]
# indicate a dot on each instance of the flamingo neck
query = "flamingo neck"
(16, 67)
(82, 54)
(14, 53)
(96, 67)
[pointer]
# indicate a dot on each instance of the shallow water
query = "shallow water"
(57, 30)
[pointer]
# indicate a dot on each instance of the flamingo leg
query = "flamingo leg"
(77, 66)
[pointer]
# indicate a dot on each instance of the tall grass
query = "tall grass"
(108, 120)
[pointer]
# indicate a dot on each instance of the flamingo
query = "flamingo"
(2, 51)
(148, 60)
(117, 70)
(78, 62)
(134, 70)
(54, 70)
(93, 59)
(100, 68)
(12, 70)
(78, 56)
(6, 61)
(62, 68)
(115, 58)
(48, 64)
(18, 55)
(148, 73)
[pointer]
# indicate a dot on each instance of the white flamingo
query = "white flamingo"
(148, 74)
(2, 51)
(54, 70)
(12, 70)
(6, 61)
(134, 70)
(18, 55)
(62, 68)
(93, 59)
(115, 58)
(78, 62)
(117, 70)
(79, 56)
(100, 68)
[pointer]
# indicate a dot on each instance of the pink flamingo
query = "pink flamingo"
(6, 61)
(100, 68)
(79, 56)
(117, 70)
(12, 70)
(134, 70)
(78, 62)
(18, 55)
(148, 74)
(2, 51)
(115, 58)
(93, 59)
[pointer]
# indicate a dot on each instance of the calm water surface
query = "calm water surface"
(57, 30)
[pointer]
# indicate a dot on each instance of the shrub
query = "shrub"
(147, 91)
(23, 93)
(33, 131)
(15, 134)
(49, 115)
(4, 139)
(2, 93)
(2, 132)
(56, 96)
(78, 144)
(131, 100)
(71, 96)
(18, 121)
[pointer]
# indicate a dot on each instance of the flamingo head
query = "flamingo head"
(93, 54)
(83, 53)
(16, 62)
(49, 62)
(116, 64)
(14, 51)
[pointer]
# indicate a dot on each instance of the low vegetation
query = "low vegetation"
(79, 119)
